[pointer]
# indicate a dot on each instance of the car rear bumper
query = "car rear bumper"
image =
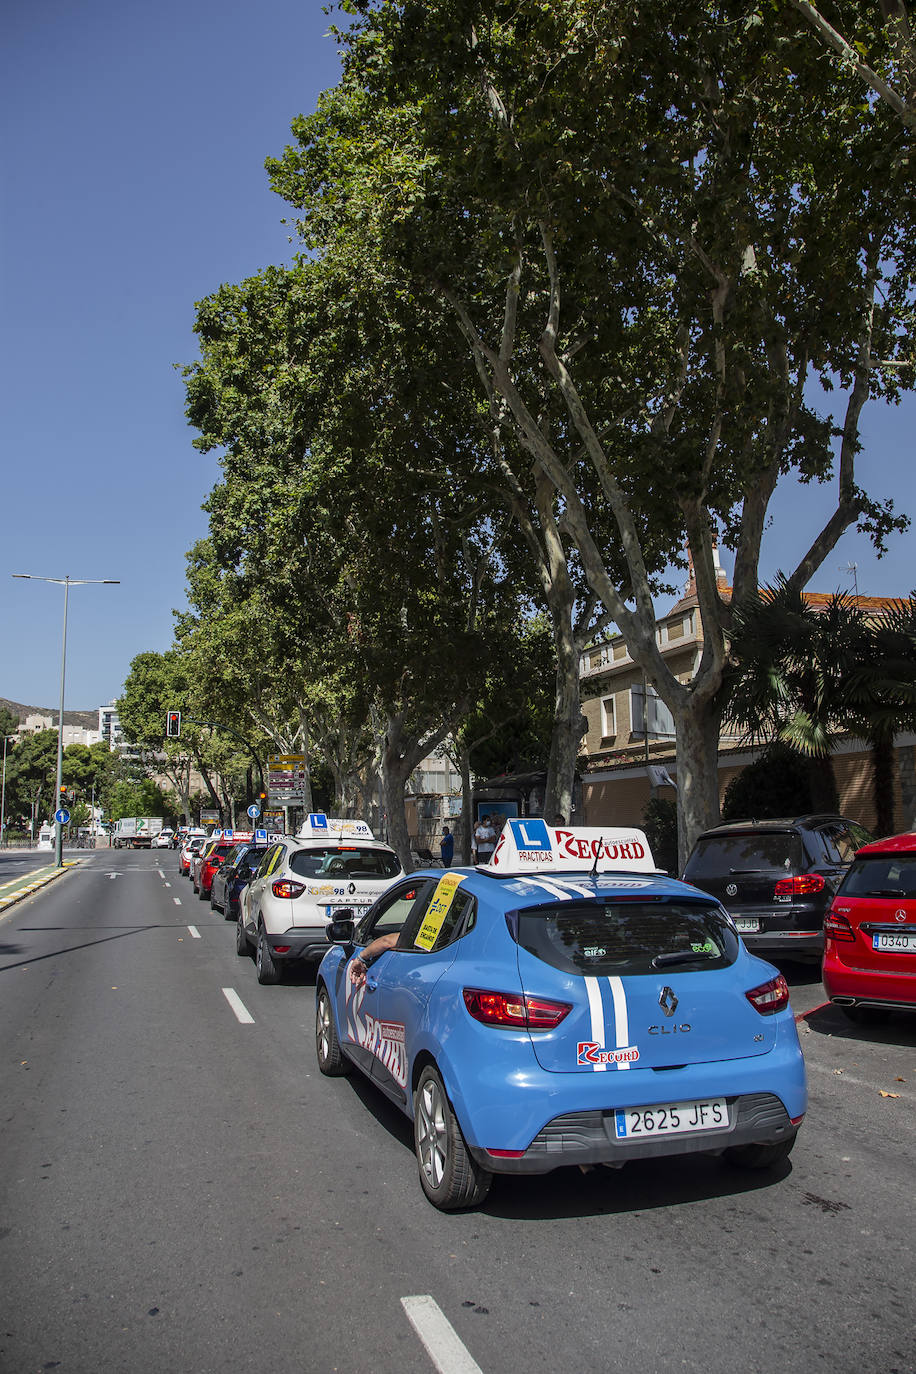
(298, 944)
(786, 941)
(590, 1138)
(853, 987)
(506, 1104)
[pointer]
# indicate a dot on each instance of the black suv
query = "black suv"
(776, 878)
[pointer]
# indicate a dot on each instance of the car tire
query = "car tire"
(268, 969)
(760, 1156)
(242, 947)
(449, 1175)
(331, 1061)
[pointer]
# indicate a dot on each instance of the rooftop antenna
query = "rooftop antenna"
(852, 569)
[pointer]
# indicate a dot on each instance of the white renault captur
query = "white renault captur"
(302, 882)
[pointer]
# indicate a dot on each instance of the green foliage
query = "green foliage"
(776, 784)
(139, 798)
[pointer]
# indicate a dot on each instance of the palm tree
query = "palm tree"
(805, 676)
(881, 697)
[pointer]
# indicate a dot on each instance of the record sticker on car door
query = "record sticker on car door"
(438, 908)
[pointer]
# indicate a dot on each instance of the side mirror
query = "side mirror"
(340, 931)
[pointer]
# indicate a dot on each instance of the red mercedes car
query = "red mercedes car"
(870, 932)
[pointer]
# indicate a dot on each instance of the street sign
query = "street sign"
(62, 815)
(286, 779)
(254, 811)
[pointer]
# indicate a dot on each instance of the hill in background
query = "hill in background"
(89, 720)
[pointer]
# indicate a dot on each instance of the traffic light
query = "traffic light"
(63, 790)
(173, 724)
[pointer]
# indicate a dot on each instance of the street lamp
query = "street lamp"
(66, 583)
(6, 738)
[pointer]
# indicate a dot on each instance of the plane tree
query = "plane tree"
(656, 230)
(377, 579)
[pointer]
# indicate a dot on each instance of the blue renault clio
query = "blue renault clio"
(563, 1004)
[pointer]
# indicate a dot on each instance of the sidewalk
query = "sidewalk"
(27, 883)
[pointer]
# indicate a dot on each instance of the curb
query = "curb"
(45, 876)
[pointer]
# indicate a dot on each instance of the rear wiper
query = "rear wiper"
(886, 892)
(681, 956)
(748, 870)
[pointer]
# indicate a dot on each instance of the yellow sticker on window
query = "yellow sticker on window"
(438, 909)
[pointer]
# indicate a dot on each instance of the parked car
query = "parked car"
(190, 849)
(870, 932)
(164, 839)
(199, 859)
(777, 878)
(302, 883)
(566, 1004)
(233, 876)
(211, 861)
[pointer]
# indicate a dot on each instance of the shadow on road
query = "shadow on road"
(898, 1030)
(641, 1186)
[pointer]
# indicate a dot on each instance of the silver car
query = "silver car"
(300, 885)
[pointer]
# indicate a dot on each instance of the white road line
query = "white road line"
(195, 932)
(161, 875)
(168, 884)
(238, 1006)
(439, 1337)
(177, 901)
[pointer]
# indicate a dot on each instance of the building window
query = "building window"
(608, 717)
(651, 712)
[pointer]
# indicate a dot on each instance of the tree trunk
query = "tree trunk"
(883, 769)
(394, 779)
(697, 729)
(306, 767)
(569, 724)
(824, 795)
(463, 829)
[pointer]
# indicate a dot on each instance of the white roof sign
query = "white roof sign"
(531, 846)
(317, 826)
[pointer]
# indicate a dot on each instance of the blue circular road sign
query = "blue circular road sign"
(62, 816)
(254, 811)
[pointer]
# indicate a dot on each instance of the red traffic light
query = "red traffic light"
(173, 724)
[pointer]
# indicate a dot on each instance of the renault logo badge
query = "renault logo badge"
(667, 1001)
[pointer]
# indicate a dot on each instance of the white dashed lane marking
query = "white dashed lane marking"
(439, 1337)
(177, 901)
(238, 1006)
(195, 933)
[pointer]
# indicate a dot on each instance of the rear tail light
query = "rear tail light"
(769, 997)
(514, 1009)
(804, 885)
(284, 888)
(837, 927)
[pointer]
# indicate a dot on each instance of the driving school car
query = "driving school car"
(563, 1004)
(302, 882)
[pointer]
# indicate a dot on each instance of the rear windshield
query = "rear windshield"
(722, 856)
(338, 861)
(250, 854)
(881, 875)
(222, 850)
(626, 938)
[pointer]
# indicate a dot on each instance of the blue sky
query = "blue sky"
(133, 185)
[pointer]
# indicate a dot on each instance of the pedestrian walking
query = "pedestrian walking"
(447, 847)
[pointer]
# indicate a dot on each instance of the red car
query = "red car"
(210, 862)
(870, 932)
